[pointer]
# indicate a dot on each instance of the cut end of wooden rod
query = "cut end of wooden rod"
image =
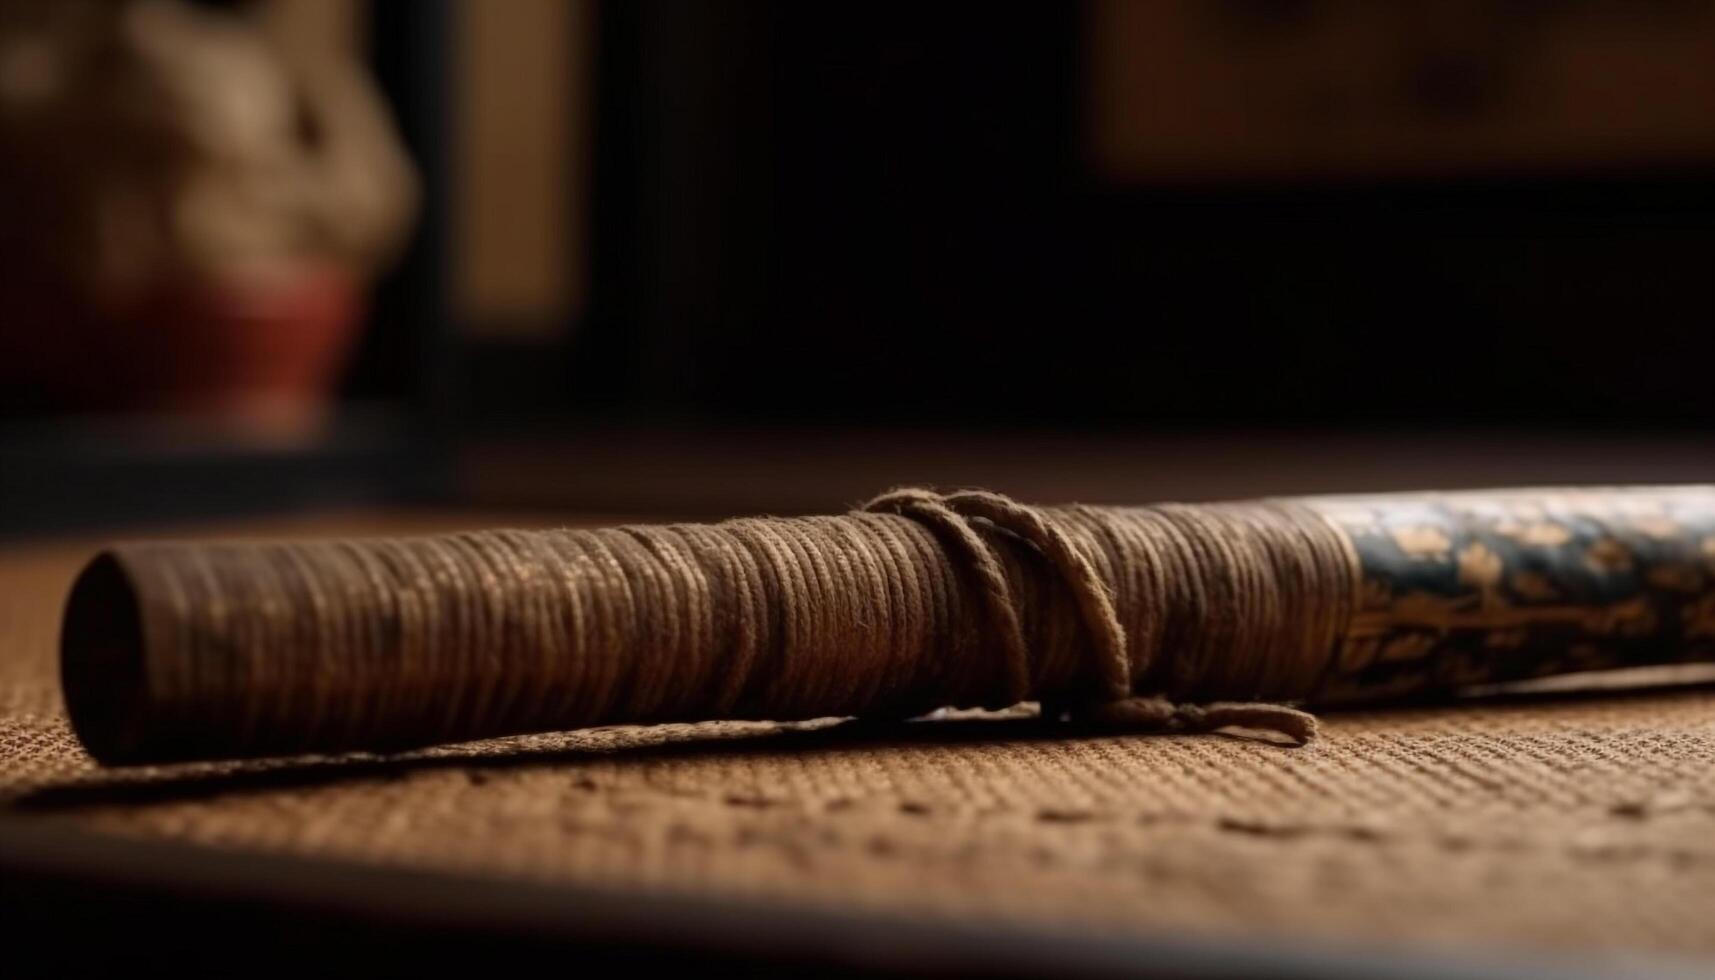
(103, 667)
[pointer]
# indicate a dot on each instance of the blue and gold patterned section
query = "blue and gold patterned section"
(1467, 588)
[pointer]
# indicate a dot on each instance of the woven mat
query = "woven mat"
(1560, 823)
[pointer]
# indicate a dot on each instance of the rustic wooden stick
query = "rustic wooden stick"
(1170, 617)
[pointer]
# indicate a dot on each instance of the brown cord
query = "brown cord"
(1172, 618)
(1112, 703)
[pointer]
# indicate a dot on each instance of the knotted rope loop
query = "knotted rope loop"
(1112, 703)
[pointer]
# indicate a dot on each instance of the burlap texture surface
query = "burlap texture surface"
(1560, 823)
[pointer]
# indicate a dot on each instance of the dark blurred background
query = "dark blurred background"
(761, 254)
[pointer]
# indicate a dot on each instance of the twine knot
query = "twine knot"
(1113, 704)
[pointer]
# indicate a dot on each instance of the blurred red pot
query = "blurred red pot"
(261, 351)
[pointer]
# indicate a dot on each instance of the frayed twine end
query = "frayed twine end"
(1277, 724)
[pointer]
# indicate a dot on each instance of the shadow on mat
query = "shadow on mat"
(186, 781)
